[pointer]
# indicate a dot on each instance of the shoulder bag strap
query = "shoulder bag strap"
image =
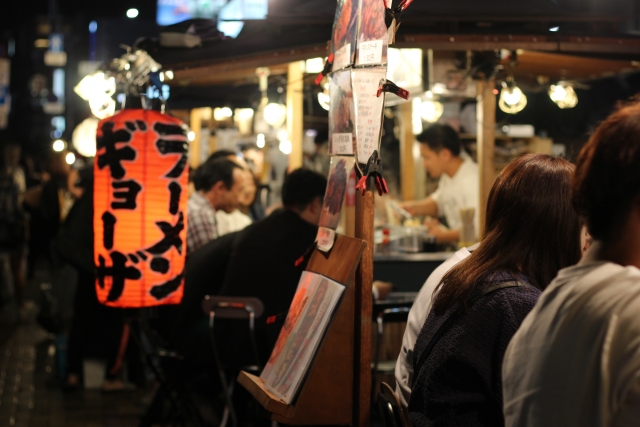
(445, 325)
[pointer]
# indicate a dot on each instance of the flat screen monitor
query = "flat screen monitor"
(228, 13)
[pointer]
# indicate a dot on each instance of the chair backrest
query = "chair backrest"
(234, 312)
(396, 314)
(390, 408)
(232, 307)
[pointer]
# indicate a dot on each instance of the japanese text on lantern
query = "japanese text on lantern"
(139, 209)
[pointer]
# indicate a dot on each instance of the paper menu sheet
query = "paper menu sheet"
(344, 33)
(368, 110)
(341, 114)
(309, 315)
(373, 36)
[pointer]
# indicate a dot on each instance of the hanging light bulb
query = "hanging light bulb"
(512, 100)
(430, 109)
(324, 99)
(98, 89)
(563, 95)
(285, 146)
(260, 140)
(275, 114)
(84, 137)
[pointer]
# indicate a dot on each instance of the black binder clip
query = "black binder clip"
(373, 169)
(389, 86)
(328, 65)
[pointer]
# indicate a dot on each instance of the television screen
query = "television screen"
(228, 13)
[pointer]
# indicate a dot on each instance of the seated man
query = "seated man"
(262, 262)
(218, 185)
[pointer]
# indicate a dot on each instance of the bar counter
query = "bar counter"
(407, 271)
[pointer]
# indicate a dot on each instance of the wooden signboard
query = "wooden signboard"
(327, 395)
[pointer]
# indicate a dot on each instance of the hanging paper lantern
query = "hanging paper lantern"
(140, 201)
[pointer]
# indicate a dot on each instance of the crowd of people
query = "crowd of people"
(533, 326)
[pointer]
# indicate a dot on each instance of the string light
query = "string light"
(512, 100)
(563, 95)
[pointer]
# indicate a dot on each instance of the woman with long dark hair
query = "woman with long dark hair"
(531, 232)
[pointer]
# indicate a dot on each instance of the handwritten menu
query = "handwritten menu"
(370, 52)
(368, 110)
(342, 57)
(341, 114)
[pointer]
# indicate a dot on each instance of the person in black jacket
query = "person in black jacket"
(531, 233)
(263, 260)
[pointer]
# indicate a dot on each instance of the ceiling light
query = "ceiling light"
(84, 137)
(554, 29)
(98, 89)
(512, 100)
(260, 141)
(314, 65)
(285, 146)
(70, 158)
(563, 95)
(58, 145)
(324, 99)
(275, 114)
(132, 13)
(222, 114)
(430, 109)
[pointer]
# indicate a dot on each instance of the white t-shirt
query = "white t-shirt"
(459, 191)
(575, 361)
(229, 222)
(417, 317)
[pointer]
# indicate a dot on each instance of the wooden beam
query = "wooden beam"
(295, 112)
(364, 307)
(486, 119)
(195, 123)
(407, 164)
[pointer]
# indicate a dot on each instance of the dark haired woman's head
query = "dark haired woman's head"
(607, 179)
(530, 228)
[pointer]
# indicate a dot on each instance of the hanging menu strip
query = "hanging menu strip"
(342, 57)
(368, 110)
(370, 52)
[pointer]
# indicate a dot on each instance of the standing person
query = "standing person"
(458, 188)
(576, 359)
(13, 219)
(218, 183)
(531, 233)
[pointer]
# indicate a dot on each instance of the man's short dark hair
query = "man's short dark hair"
(438, 136)
(607, 178)
(221, 154)
(301, 187)
(210, 173)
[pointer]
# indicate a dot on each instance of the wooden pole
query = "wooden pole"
(407, 165)
(295, 112)
(195, 123)
(486, 119)
(364, 308)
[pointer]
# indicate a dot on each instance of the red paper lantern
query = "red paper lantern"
(140, 202)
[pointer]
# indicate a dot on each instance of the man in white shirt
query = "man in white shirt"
(575, 361)
(458, 188)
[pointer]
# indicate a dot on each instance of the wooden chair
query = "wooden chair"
(390, 408)
(238, 310)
